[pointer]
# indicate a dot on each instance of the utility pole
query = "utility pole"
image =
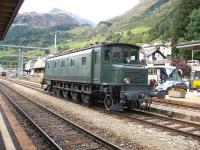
(55, 42)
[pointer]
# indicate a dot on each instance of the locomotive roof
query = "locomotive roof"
(94, 46)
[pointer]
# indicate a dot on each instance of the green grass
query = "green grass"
(80, 30)
(141, 29)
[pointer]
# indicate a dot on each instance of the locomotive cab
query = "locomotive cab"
(124, 80)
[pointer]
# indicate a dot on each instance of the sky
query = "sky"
(94, 10)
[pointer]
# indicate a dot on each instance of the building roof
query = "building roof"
(8, 11)
(194, 45)
(39, 64)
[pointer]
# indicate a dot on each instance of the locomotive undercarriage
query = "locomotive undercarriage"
(111, 96)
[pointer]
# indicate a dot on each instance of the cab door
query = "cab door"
(96, 65)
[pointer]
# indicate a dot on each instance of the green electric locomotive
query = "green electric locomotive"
(105, 73)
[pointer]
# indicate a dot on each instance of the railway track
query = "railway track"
(59, 132)
(185, 128)
(26, 84)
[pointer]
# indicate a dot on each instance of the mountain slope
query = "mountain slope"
(142, 22)
(55, 17)
(146, 13)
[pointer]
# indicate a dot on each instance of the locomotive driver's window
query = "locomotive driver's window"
(116, 53)
(107, 55)
(126, 56)
(133, 55)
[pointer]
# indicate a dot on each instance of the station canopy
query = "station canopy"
(8, 11)
(194, 45)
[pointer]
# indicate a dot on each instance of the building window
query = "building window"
(107, 55)
(84, 61)
(54, 64)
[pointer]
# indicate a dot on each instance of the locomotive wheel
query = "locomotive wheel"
(65, 93)
(86, 98)
(59, 92)
(75, 97)
(108, 102)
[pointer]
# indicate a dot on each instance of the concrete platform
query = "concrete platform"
(12, 135)
(176, 112)
(191, 98)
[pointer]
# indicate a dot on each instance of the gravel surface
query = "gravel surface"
(131, 134)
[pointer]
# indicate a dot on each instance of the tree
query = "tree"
(182, 16)
(180, 63)
(193, 28)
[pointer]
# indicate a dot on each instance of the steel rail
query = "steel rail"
(165, 127)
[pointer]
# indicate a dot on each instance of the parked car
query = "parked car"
(165, 76)
(193, 62)
(195, 80)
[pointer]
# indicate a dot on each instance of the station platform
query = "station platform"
(12, 135)
(191, 99)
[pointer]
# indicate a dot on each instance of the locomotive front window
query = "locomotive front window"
(130, 55)
(107, 55)
(116, 53)
(134, 55)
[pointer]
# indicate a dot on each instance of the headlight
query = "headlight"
(127, 80)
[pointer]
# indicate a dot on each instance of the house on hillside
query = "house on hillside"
(38, 68)
(29, 65)
(158, 53)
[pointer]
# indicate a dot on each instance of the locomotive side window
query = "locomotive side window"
(116, 53)
(107, 55)
(63, 63)
(84, 61)
(72, 62)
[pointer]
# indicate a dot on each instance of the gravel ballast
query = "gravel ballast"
(133, 134)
